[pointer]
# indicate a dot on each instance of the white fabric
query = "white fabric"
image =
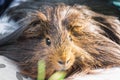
(9, 72)
(100, 74)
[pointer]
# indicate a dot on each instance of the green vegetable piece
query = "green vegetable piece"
(41, 70)
(60, 75)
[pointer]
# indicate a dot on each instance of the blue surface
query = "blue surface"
(2, 2)
(116, 3)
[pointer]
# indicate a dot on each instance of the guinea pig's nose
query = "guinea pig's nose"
(61, 62)
(63, 69)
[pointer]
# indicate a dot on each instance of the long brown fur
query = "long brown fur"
(81, 39)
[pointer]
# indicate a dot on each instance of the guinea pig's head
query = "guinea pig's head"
(55, 44)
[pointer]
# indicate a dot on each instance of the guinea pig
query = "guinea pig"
(68, 38)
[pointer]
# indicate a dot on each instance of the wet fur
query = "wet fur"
(80, 38)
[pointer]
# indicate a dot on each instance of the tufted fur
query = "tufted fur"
(80, 39)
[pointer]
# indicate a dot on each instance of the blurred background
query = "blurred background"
(114, 5)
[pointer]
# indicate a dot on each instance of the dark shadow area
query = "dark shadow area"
(109, 31)
(103, 7)
(4, 4)
(100, 6)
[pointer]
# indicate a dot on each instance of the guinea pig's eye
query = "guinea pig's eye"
(48, 42)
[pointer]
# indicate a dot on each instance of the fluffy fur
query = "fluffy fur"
(70, 38)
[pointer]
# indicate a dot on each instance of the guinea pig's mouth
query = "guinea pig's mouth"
(59, 71)
(55, 71)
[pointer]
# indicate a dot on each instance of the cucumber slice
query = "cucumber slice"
(60, 75)
(41, 70)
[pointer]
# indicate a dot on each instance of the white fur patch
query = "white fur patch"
(17, 2)
(6, 26)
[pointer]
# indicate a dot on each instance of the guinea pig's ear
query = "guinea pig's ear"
(37, 27)
(75, 19)
(10, 30)
(29, 26)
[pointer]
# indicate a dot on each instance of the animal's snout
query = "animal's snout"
(64, 64)
(61, 62)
